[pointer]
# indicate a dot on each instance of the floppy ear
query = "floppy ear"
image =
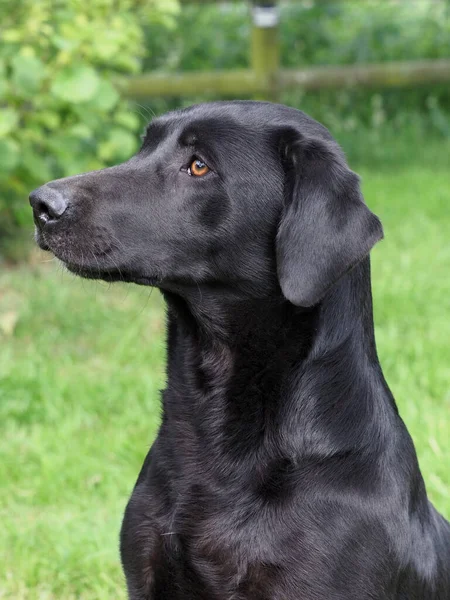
(325, 228)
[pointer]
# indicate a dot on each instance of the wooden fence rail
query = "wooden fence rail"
(266, 79)
(249, 82)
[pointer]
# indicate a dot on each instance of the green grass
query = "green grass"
(80, 373)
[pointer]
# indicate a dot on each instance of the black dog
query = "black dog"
(282, 470)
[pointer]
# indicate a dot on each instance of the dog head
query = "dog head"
(251, 197)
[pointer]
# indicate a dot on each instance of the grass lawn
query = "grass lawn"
(81, 364)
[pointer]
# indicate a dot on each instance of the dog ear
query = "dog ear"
(325, 228)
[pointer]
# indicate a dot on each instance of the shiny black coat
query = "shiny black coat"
(281, 470)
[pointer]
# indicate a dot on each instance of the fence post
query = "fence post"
(265, 49)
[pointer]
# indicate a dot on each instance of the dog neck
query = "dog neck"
(259, 374)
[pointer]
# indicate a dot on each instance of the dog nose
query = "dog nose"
(48, 203)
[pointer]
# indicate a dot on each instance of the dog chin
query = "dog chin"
(113, 275)
(93, 273)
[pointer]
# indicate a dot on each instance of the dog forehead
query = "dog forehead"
(220, 118)
(246, 119)
(219, 139)
(184, 130)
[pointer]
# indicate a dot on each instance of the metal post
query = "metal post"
(265, 49)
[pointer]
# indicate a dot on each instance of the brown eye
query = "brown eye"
(198, 168)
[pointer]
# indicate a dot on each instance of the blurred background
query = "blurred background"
(81, 363)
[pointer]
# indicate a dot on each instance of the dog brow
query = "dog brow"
(155, 132)
(188, 138)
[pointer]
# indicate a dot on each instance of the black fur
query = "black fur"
(281, 470)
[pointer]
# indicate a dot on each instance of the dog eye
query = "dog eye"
(198, 168)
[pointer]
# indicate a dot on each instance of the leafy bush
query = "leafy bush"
(311, 33)
(59, 111)
(352, 32)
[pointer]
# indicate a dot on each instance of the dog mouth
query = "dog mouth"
(61, 250)
(40, 240)
(99, 252)
(97, 242)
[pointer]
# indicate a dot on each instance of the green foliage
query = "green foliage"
(316, 33)
(59, 111)
(352, 32)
